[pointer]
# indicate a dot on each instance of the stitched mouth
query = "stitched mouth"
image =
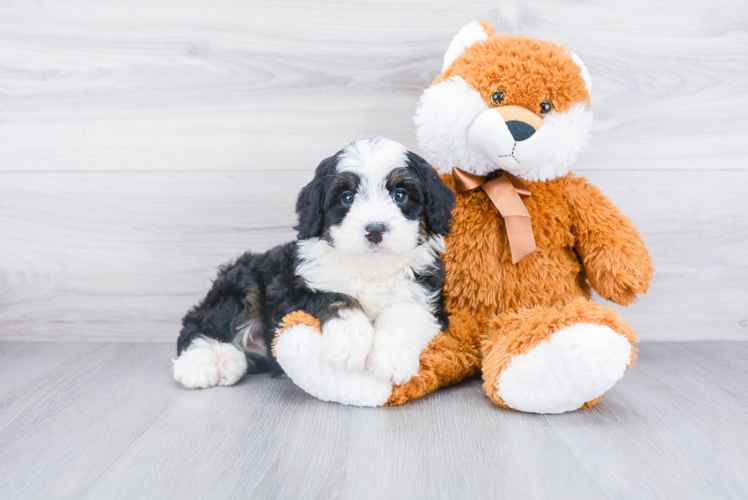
(511, 155)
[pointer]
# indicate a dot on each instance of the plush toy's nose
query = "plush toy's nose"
(521, 122)
(520, 130)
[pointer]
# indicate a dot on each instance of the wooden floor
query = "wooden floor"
(105, 420)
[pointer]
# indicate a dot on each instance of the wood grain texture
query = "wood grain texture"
(100, 420)
(124, 255)
(143, 143)
(192, 85)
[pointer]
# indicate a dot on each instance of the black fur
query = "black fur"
(268, 279)
(439, 197)
(260, 289)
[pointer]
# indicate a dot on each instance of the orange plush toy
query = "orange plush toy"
(504, 123)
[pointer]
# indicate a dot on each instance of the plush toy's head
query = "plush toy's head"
(505, 102)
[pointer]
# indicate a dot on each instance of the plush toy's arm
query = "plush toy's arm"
(612, 250)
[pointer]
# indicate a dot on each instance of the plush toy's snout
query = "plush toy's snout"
(511, 137)
(521, 122)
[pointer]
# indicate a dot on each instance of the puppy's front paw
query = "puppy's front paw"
(346, 341)
(390, 363)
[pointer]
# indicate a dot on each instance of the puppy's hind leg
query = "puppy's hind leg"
(207, 353)
(208, 362)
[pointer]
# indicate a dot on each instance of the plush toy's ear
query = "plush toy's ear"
(583, 72)
(439, 198)
(310, 205)
(474, 32)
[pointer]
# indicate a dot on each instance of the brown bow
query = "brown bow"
(507, 193)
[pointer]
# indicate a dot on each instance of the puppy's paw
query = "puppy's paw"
(389, 362)
(346, 341)
(208, 362)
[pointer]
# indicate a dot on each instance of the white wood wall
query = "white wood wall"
(144, 142)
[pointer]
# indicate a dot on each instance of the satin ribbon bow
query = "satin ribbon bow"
(506, 192)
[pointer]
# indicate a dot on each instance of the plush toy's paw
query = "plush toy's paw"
(390, 361)
(208, 362)
(298, 349)
(574, 366)
(346, 341)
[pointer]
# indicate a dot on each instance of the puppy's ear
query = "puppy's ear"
(439, 198)
(310, 205)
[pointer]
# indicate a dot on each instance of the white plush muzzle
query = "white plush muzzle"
(490, 137)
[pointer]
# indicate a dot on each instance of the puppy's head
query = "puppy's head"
(506, 102)
(374, 201)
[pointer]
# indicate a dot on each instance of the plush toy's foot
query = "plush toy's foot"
(450, 357)
(298, 349)
(546, 360)
(208, 362)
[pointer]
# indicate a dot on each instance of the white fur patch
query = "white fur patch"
(372, 159)
(402, 332)
(402, 310)
(466, 37)
(375, 287)
(207, 362)
(583, 71)
(298, 351)
(346, 340)
(578, 364)
(443, 118)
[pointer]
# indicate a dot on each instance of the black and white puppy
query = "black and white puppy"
(366, 263)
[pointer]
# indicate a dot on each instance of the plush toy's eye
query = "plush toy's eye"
(400, 196)
(498, 97)
(545, 107)
(347, 199)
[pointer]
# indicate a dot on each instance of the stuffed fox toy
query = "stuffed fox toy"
(504, 123)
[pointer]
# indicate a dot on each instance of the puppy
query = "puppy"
(366, 263)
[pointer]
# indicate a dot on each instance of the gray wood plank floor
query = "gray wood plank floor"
(105, 420)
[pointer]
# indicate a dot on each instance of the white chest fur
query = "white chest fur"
(375, 287)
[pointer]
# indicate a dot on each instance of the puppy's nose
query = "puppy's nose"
(520, 130)
(374, 231)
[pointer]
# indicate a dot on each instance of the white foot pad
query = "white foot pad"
(207, 362)
(577, 364)
(298, 351)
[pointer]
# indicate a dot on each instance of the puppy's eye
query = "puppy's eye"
(545, 107)
(498, 97)
(400, 196)
(347, 199)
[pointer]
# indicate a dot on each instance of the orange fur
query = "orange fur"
(527, 70)
(571, 219)
(488, 28)
(581, 238)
